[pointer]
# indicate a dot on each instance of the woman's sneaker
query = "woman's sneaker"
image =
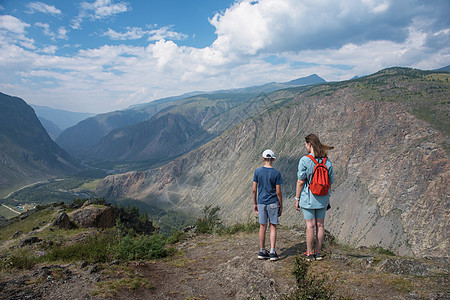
(319, 256)
(308, 257)
(263, 255)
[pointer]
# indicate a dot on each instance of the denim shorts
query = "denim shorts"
(309, 214)
(268, 212)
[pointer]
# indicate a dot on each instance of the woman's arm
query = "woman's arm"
(298, 191)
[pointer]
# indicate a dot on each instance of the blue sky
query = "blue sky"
(103, 55)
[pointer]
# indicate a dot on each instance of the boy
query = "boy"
(267, 202)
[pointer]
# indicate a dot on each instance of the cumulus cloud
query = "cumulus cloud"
(43, 8)
(251, 27)
(97, 10)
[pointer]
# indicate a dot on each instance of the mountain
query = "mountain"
(53, 130)
(62, 118)
(390, 131)
(274, 86)
(80, 138)
(27, 153)
(443, 69)
(175, 130)
(85, 139)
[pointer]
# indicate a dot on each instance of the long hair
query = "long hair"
(320, 150)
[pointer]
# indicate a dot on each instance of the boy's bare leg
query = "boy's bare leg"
(273, 235)
(262, 235)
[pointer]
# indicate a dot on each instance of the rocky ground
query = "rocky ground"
(226, 267)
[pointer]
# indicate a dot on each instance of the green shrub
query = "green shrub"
(210, 220)
(95, 248)
(250, 226)
(142, 247)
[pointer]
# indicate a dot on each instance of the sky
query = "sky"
(102, 55)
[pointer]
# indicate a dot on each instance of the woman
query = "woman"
(313, 206)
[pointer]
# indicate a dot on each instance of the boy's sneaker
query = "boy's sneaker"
(319, 256)
(273, 256)
(308, 257)
(263, 255)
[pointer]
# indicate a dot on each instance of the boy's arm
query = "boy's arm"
(280, 199)
(254, 194)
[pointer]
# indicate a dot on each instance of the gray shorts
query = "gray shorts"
(268, 212)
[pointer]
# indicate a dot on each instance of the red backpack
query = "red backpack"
(320, 181)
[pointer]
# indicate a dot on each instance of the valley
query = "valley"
(173, 156)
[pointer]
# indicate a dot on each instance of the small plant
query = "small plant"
(308, 287)
(142, 247)
(381, 250)
(210, 220)
(250, 226)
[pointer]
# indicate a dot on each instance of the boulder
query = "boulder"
(63, 221)
(29, 241)
(94, 216)
(405, 267)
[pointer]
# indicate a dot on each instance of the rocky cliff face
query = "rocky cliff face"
(391, 168)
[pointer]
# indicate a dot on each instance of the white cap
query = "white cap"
(268, 154)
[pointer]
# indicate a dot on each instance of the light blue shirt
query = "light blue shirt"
(305, 171)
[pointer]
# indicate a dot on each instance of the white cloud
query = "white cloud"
(134, 33)
(42, 7)
(46, 29)
(97, 10)
(250, 27)
(62, 33)
(12, 31)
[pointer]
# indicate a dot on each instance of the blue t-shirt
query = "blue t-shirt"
(305, 171)
(267, 179)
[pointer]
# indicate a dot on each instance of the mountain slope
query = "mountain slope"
(52, 129)
(390, 132)
(27, 153)
(62, 118)
(78, 139)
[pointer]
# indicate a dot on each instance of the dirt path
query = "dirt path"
(222, 268)
(226, 267)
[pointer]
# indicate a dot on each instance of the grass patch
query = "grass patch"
(382, 251)
(90, 185)
(107, 289)
(7, 213)
(37, 219)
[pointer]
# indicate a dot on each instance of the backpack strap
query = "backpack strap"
(312, 158)
(324, 160)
